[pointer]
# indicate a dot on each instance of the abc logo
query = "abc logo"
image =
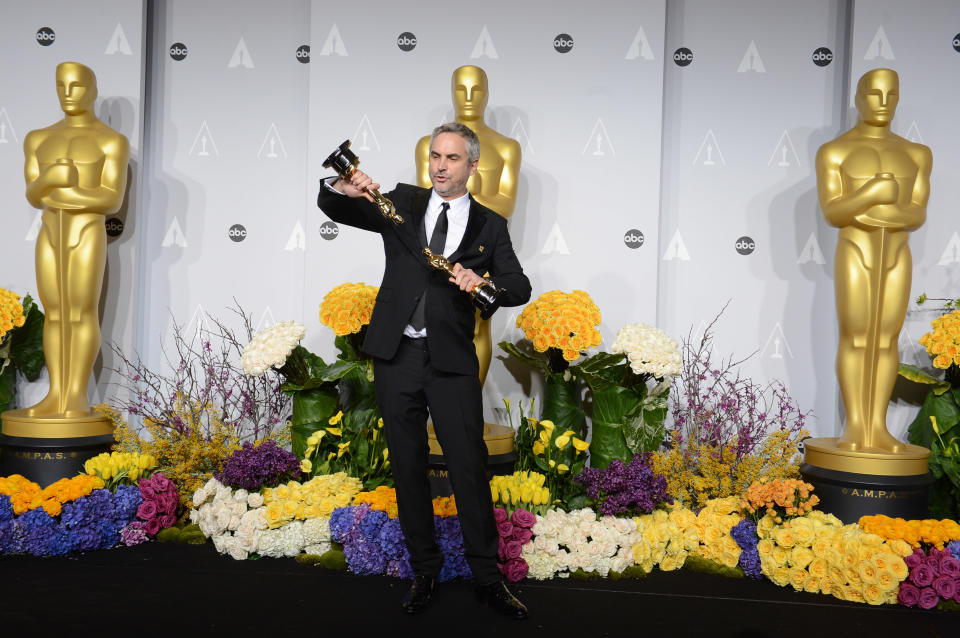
(303, 53)
(114, 226)
(563, 43)
(745, 245)
(178, 51)
(683, 56)
(237, 232)
(956, 43)
(633, 238)
(822, 56)
(406, 41)
(329, 230)
(45, 36)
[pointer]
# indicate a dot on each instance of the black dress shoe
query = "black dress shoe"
(497, 596)
(418, 597)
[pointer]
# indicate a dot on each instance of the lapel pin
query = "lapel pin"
(480, 248)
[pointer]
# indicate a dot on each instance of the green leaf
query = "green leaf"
(561, 404)
(357, 392)
(312, 410)
(944, 408)
(538, 362)
(26, 348)
(918, 375)
(577, 502)
(611, 407)
(8, 387)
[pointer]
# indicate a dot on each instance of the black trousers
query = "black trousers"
(407, 387)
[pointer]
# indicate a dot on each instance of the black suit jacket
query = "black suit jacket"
(486, 247)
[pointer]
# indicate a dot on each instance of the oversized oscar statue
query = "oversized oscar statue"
(495, 186)
(873, 185)
(76, 173)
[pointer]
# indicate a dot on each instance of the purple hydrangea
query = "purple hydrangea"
(341, 519)
(252, 468)
(12, 537)
(392, 543)
(630, 488)
(134, 533)
(954, 548)
(745, 533)
(6, 509)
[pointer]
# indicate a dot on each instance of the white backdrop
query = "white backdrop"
(693, 122)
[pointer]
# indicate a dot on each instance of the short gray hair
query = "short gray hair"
(473, 142)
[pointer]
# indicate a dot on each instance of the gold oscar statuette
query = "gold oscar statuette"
(484, 294)
(76, 173)
(873, 185)
(345, 162)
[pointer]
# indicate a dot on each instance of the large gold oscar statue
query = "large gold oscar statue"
(494, 184)
(873, 185)
(76, 172)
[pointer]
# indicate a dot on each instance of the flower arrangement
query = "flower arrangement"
(353, 443)
(563, 322)
(745, 535)
(557, 454)
(234, 519)
(25, 495)
(934, 575)
(384, 499)
(649, 350)
(625, 489)
(21, 343)
(92, 521)
(254, 466)
(713, 527)
(514, 532)
(936, 424)
(916, 532)
(315, 498)
(117, 467)
(348, 308)
(567, 542)
(815, 553)
(665, 539)
(779, 499)
(160, 499)
(520, 490)
(270, 347)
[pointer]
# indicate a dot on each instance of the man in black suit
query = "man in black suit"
(421, 339)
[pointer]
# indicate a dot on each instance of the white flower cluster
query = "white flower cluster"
(270, 347)
(234, 520)
(564, 542)
(649, 350)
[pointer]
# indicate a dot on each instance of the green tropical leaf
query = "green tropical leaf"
(562, 405)
(944, 408)
(611, 409)
(26, 347)
(357, 392)
(8, 387)
(538, 362)
(312, 410)
(917, 375)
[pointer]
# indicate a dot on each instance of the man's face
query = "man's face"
(449, 168)
(75, 89)
(469, 93)
(877, 97)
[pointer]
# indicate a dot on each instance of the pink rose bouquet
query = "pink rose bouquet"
(160, 500)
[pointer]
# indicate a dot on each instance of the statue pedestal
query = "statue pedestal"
(500, 459)
(867, 482)
(46, 449)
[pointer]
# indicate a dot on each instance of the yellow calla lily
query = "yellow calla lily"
(336, 418)
(545, 437)
(342, 449)
(581, 446)
(562, 441)
(539, 448)
(335, 431)
(547, 425)
(563, 468)
(306, 465)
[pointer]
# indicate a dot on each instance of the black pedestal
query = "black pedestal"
(497, 464)
(849, 496)
(44, 460)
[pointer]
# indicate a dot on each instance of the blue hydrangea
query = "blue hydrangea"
(341, 520)
(745, 533)
(6, 508)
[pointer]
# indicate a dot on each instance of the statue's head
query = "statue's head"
(469, 88)
(878, 93)
(76, 87)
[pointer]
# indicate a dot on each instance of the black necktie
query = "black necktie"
(438, 241)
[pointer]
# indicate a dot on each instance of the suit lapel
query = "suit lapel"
(412, 227)
(475, 223)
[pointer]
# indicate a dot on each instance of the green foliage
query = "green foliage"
(936, 427)
(21, 352)
(707, 566)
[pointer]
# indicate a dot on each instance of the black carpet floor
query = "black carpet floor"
(170, 589)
